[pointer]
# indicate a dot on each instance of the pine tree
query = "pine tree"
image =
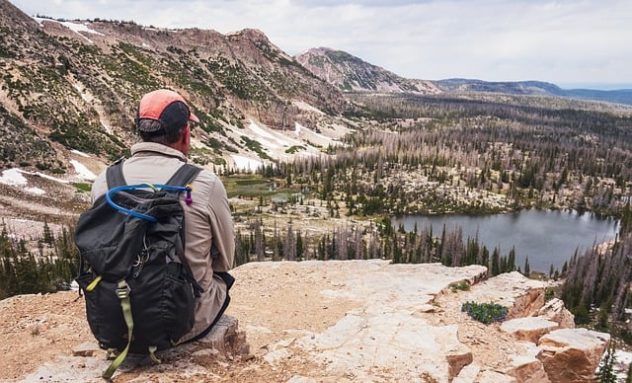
(606, 372)
(49, 238)
(527, 267)
(511, 261)
(496, 262)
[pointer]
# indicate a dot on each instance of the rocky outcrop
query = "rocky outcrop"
(350, 73)
(572, 355)
(334, 321)
(555, 311)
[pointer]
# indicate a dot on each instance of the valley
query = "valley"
(321, 155)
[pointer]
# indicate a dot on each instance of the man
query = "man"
(163, 124)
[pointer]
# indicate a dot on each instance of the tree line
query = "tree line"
(49, 268)
(377, 241)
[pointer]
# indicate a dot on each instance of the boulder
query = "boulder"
(226, 339)
(529, 328)
(572, 355)
(555, 311)
(526, 367)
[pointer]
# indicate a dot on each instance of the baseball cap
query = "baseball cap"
(166, 106)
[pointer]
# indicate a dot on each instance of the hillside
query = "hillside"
(350, 73)
(349, 321)
(74, 85)
(458, 85)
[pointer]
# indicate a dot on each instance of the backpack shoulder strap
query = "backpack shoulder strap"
(184, 175)
(114, 174)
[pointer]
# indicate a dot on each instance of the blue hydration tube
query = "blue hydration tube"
(155, 187)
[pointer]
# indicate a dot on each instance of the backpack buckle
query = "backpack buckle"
(123, 290)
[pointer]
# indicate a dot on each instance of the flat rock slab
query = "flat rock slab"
(385, 339)
(529, 328)
(88, 362)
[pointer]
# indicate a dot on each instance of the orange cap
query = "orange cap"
(166, 106)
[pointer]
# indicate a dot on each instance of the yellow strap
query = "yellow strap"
(152, 354)
(126, 306)
(93, 284)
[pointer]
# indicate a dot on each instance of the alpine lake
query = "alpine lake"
(547, 237)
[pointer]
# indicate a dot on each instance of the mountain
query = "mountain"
(352, 74)
(622, 96)
(521, 87)
(74, 85)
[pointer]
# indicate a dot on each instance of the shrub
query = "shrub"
(462, 286)
(485, 312)
(549, 293)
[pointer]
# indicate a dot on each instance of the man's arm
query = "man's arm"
(222, 229)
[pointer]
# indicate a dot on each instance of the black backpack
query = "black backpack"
(140, 293)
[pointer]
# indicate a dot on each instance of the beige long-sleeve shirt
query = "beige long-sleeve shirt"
(207, 221)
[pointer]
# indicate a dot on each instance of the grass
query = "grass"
(82, 187)
(247, 185)
(254, 185)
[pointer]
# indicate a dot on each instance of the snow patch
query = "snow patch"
(79, 153)
(47, 177)
(622, 363)
(271, 139)
(13, 177)
(35, 190)
(83, 171)
(80, 27)
(76, 27)
(246, 163)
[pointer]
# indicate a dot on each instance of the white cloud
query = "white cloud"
(585, 41)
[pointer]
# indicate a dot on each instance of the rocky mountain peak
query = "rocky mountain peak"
(351, 73)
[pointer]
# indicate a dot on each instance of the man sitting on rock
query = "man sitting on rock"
(164, 126)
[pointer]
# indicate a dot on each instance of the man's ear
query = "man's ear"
(186, 134)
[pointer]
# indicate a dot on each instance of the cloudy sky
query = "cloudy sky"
(569, 42)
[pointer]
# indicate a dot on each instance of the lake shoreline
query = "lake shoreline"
(546, 237)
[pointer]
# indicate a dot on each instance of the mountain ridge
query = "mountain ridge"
(352, 74)
(73, 85)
